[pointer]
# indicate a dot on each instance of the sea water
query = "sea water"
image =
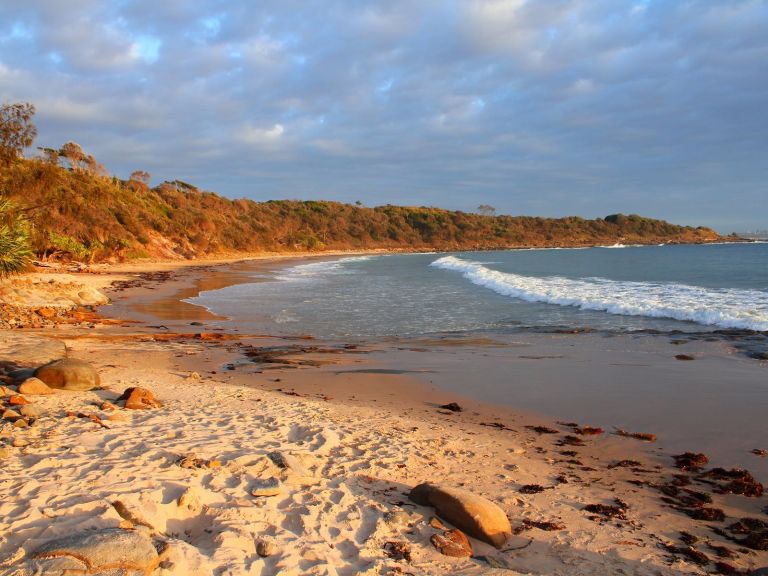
(615, 288)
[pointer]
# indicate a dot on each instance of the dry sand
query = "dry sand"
(363, 432)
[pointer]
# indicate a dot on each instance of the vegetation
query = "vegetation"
(84, 214)
(15, 250)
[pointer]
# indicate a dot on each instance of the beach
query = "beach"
(363, 424)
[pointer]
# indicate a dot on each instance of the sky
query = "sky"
(547, 108)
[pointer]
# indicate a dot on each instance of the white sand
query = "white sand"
(331, 519)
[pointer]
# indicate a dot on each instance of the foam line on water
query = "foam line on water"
(725, 308)
(315, 269)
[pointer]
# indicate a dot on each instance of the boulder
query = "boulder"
(138, 398)
(475, 515)
(34, 386)
(69, 374)
(102, 552)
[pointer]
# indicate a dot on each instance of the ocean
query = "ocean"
(689, 288)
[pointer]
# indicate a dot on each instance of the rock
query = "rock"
(19, 442)
(102, 552)
(190, 499)
(267, 487)
(475, 515)
(107, 406)
(5, 391)
(193, 376)
(191, 461)
(17, 400)
(69, 374)
(21, 423)
(11, 414)
(31, 411)
(452, 543)
(453, 407)
(182, 559)
(46, 312)
(396, 517)
(34, 386)
(288, 462)
(137, 398)
(266, 547)
(128, 512)
(436, 524)
(5, 452)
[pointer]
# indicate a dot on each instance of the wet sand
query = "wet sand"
(713, 404)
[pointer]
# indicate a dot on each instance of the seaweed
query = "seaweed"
(543, 430)
(624, 464)
(689, 552)
(737, 481)
(534, 488)
(691, 461)
(540, 524)
(618, 510)
(705, 514)
(636, 435)
(571, 441)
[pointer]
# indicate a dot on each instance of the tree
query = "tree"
(486, 210)
(141, 176)
(73, 152)
(50, 155)
(15, 251)
(16, 129)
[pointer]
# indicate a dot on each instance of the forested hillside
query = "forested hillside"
(81, 213)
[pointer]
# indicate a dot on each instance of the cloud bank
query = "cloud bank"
(548, 107)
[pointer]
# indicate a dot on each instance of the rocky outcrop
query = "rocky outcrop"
(475, 515)
(69, 374)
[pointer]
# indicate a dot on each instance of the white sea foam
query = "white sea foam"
(315, 269)
(725, 308)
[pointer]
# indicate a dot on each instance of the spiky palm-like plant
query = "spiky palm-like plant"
(15, 250)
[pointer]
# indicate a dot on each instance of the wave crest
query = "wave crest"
(725, 308)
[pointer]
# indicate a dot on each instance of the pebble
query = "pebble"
(11, 414)
(267, 487)
(265, 547)
(31, 411)
(19, 442)
(397, 517)
(5, 452)
(21, 423)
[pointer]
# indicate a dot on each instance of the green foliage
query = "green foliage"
(15, 250)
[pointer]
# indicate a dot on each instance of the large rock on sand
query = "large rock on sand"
(138, 398)
(104, 553)
(475, 515)
(34, 386)
(69, 374)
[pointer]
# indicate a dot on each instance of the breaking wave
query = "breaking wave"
(725, 308)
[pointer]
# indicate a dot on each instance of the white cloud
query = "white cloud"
(261, 136)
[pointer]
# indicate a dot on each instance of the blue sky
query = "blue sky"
(551, 108)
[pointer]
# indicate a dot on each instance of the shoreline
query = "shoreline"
(380, 434)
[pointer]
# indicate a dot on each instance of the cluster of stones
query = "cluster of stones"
(66, 374)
